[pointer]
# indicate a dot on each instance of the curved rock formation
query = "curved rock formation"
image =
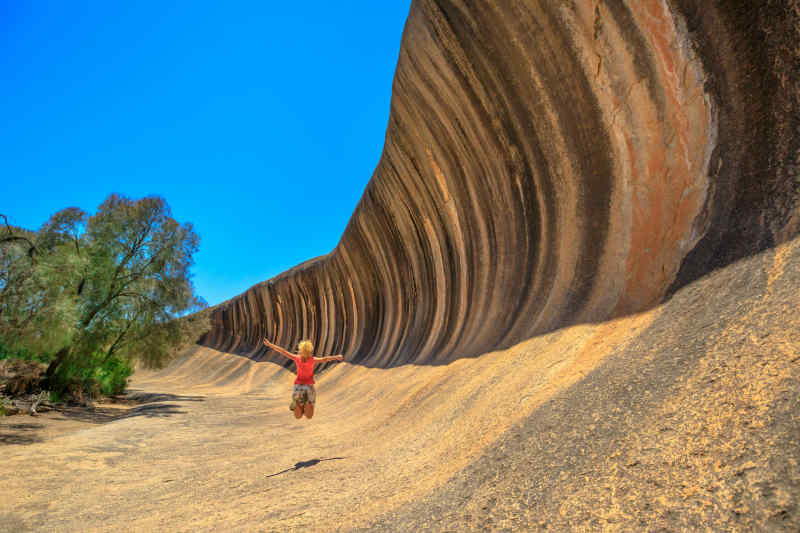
(548, 163)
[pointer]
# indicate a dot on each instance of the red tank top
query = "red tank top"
(305, 371)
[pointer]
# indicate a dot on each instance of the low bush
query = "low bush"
(112, 376)
(78, 378)
(88, 377)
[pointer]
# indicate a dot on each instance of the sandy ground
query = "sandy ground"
(209, 444)
(213, 445)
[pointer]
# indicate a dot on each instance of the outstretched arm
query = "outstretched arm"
(279, 350)
(329, 358)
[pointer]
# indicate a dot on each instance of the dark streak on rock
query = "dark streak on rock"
(526, 185)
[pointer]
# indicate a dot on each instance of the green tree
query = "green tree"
(98, 289)
(37, 272)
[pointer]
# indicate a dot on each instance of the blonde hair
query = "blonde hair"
(305, 348)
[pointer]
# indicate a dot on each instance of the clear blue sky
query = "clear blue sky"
(259, 122)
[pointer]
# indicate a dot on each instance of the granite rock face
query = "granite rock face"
(549, 163)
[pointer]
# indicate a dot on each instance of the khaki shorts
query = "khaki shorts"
(303, 394)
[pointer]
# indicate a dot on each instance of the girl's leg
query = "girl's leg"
(298, 410)
(309, 410)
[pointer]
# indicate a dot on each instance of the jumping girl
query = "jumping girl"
(303, 396)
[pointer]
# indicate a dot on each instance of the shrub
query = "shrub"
(112, 376)
(91, 376)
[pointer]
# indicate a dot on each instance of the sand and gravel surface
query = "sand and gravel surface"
(680, 418)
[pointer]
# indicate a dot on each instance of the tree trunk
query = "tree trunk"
(119, 339)
(52, 368)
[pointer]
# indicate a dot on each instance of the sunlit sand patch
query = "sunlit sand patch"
(424, 423)
(700, 439)
(401, 433)
(429, 422)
